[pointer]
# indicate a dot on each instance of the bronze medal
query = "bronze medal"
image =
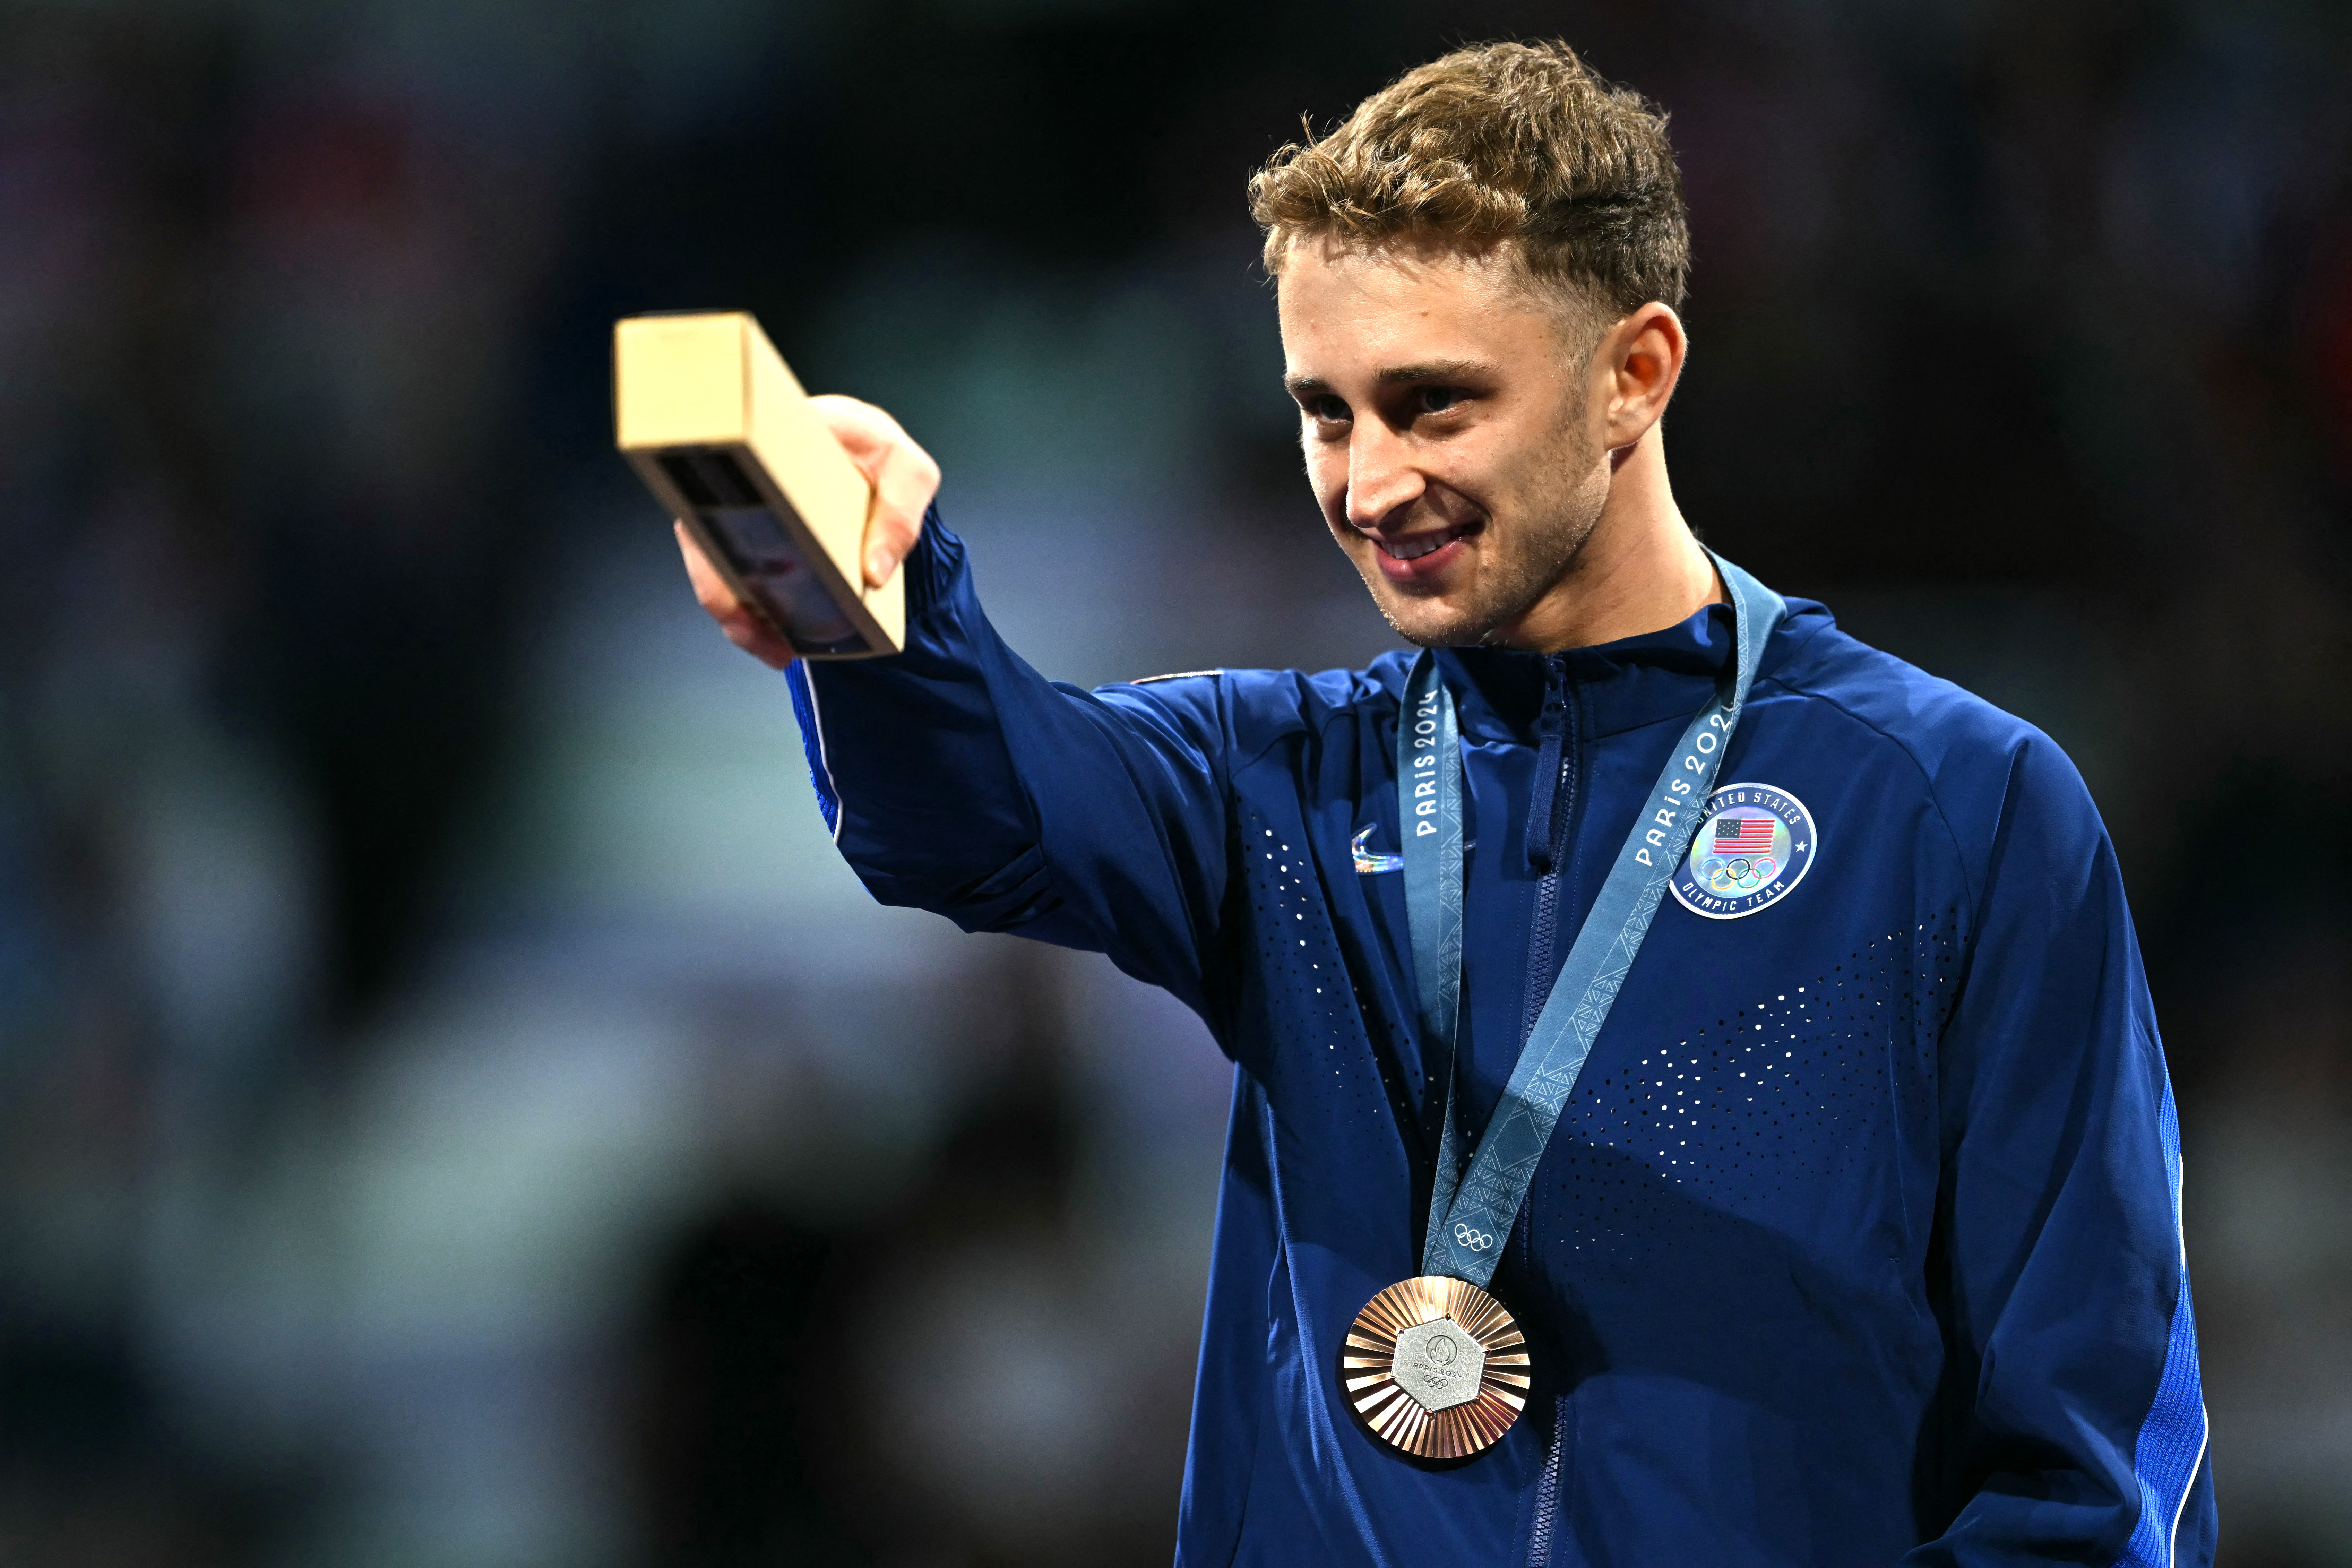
(1435, 1368)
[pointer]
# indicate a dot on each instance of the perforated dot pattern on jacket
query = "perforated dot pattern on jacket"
(1799, 1084)
(1311, 993)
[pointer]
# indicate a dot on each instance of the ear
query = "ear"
(1635, 366)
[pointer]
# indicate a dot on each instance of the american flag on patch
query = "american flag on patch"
(1742, 835)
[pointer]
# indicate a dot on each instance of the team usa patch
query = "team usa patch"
(1756, 842)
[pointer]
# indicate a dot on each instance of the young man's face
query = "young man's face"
(1446, 420)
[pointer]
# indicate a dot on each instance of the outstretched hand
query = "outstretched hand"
(904, 477)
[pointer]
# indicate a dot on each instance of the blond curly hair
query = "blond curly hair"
(1521, 146)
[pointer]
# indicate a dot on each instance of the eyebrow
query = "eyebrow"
(1397, 374)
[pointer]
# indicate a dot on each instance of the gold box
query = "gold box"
(706, 411)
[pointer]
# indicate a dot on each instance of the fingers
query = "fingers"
(905, 479)
(743, 628)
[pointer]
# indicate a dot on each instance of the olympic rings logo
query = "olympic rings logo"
(1475, 1239)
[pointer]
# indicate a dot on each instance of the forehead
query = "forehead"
(1341, 304)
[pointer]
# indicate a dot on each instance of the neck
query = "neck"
(1639, 570)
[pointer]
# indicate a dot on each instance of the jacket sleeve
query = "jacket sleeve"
(956, 779)
(2076, 1429)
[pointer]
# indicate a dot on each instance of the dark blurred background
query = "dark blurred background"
(455, 1109)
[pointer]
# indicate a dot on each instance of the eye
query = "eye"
(1437, 399)
(1330, 410)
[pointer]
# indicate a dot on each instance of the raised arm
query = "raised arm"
(956, 779)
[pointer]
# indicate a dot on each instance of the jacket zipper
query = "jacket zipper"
(1548, 1492)
(1559, 851)
(1562, 727)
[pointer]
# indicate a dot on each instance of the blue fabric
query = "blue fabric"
(2171, 1447)
(813, 744)
(1856, 1243)
(1429, 798)
(1465, 1224)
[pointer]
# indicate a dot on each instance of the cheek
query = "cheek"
(1326, 473)
(1513, 475)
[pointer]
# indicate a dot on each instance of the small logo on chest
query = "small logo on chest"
(1756, 843)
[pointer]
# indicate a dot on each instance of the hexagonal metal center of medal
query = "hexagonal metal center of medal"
(1439, 1365)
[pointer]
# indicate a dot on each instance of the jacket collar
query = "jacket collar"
(1624, 684)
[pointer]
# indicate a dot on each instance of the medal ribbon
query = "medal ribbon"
(1470, 1213)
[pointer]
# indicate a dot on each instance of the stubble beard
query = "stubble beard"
(1559, 506)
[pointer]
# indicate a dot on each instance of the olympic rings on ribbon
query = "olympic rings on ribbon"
(1475, 1239)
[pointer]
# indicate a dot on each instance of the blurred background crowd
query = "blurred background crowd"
(455, 1109)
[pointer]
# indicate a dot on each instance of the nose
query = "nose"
(1381, 479)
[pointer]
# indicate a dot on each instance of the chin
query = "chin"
(1427, 624)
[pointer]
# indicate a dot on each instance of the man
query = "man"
(1856, 1238)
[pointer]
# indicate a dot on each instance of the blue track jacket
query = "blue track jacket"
(1859, 1241)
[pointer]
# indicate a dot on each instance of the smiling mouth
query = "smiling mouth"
(1413, 546)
